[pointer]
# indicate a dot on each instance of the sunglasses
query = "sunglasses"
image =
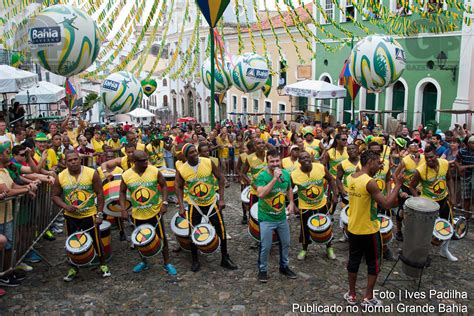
(22, 154)
(344, 139)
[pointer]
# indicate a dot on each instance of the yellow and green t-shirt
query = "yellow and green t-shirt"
(271, 208)
(335, 158)
(289, 164)
(363, 216)
(79, 192)
(433, 184)
(139, 146)
(156, 154)
(315, 146)
(144, 193)
(116, 172)
(223, 151)
(125, 164)
(348, 168)
(115, 145)
(200, 181)
(410, 168)
(381, 176)
(51, 160)
(256, 165)
(311, 191)
(97, 145)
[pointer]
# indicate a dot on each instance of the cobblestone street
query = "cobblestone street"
(214, 290)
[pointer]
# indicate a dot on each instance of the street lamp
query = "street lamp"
(442, 58)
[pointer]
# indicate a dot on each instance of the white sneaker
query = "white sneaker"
(227, 236)
(23, 266)
(445, 253)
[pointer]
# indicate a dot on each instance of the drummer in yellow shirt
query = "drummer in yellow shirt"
(108, 174)
(364, 227)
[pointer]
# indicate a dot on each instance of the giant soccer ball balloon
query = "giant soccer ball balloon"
(121, 92)
(250, 72)
(222, 80)
(64, 39)
(376, 62)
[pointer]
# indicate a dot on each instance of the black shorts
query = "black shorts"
(74, 225)
(368, 246)
(154, 221)
(444, 209)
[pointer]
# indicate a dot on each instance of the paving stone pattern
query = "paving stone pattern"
(216, 291)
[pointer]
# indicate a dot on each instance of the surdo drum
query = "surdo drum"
(460, 227)
(442, 231)
(320, 228)
(245, 195)
(111, 197)
(145, 239)
(170, 176)
(386, 227)
(180, 228)
(79, 248)
(205, 238)
(254, 227)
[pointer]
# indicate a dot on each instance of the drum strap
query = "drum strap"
(211, 208)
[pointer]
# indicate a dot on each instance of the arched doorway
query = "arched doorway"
(326, 103)
(190, 104)
(398, 100)
(182, 107)
(165, 100)
(199, 112)
(429, 103)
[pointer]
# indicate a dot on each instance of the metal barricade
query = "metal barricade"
(24, 221)
(464, 190)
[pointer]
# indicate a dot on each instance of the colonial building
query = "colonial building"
(255, 106)
(188, 96)
(439, 73)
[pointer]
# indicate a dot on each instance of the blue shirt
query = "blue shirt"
(466, 157)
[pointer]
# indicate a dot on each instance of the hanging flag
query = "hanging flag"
(71, 92)
(348, 82)
(219, 97)
(212, 10)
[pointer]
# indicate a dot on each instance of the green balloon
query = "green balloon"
(149, 86)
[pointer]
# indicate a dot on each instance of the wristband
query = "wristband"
(165, 203)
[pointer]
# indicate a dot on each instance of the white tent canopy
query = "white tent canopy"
(141, 113)
(13, 79)
(315, 89)
(43, 93)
